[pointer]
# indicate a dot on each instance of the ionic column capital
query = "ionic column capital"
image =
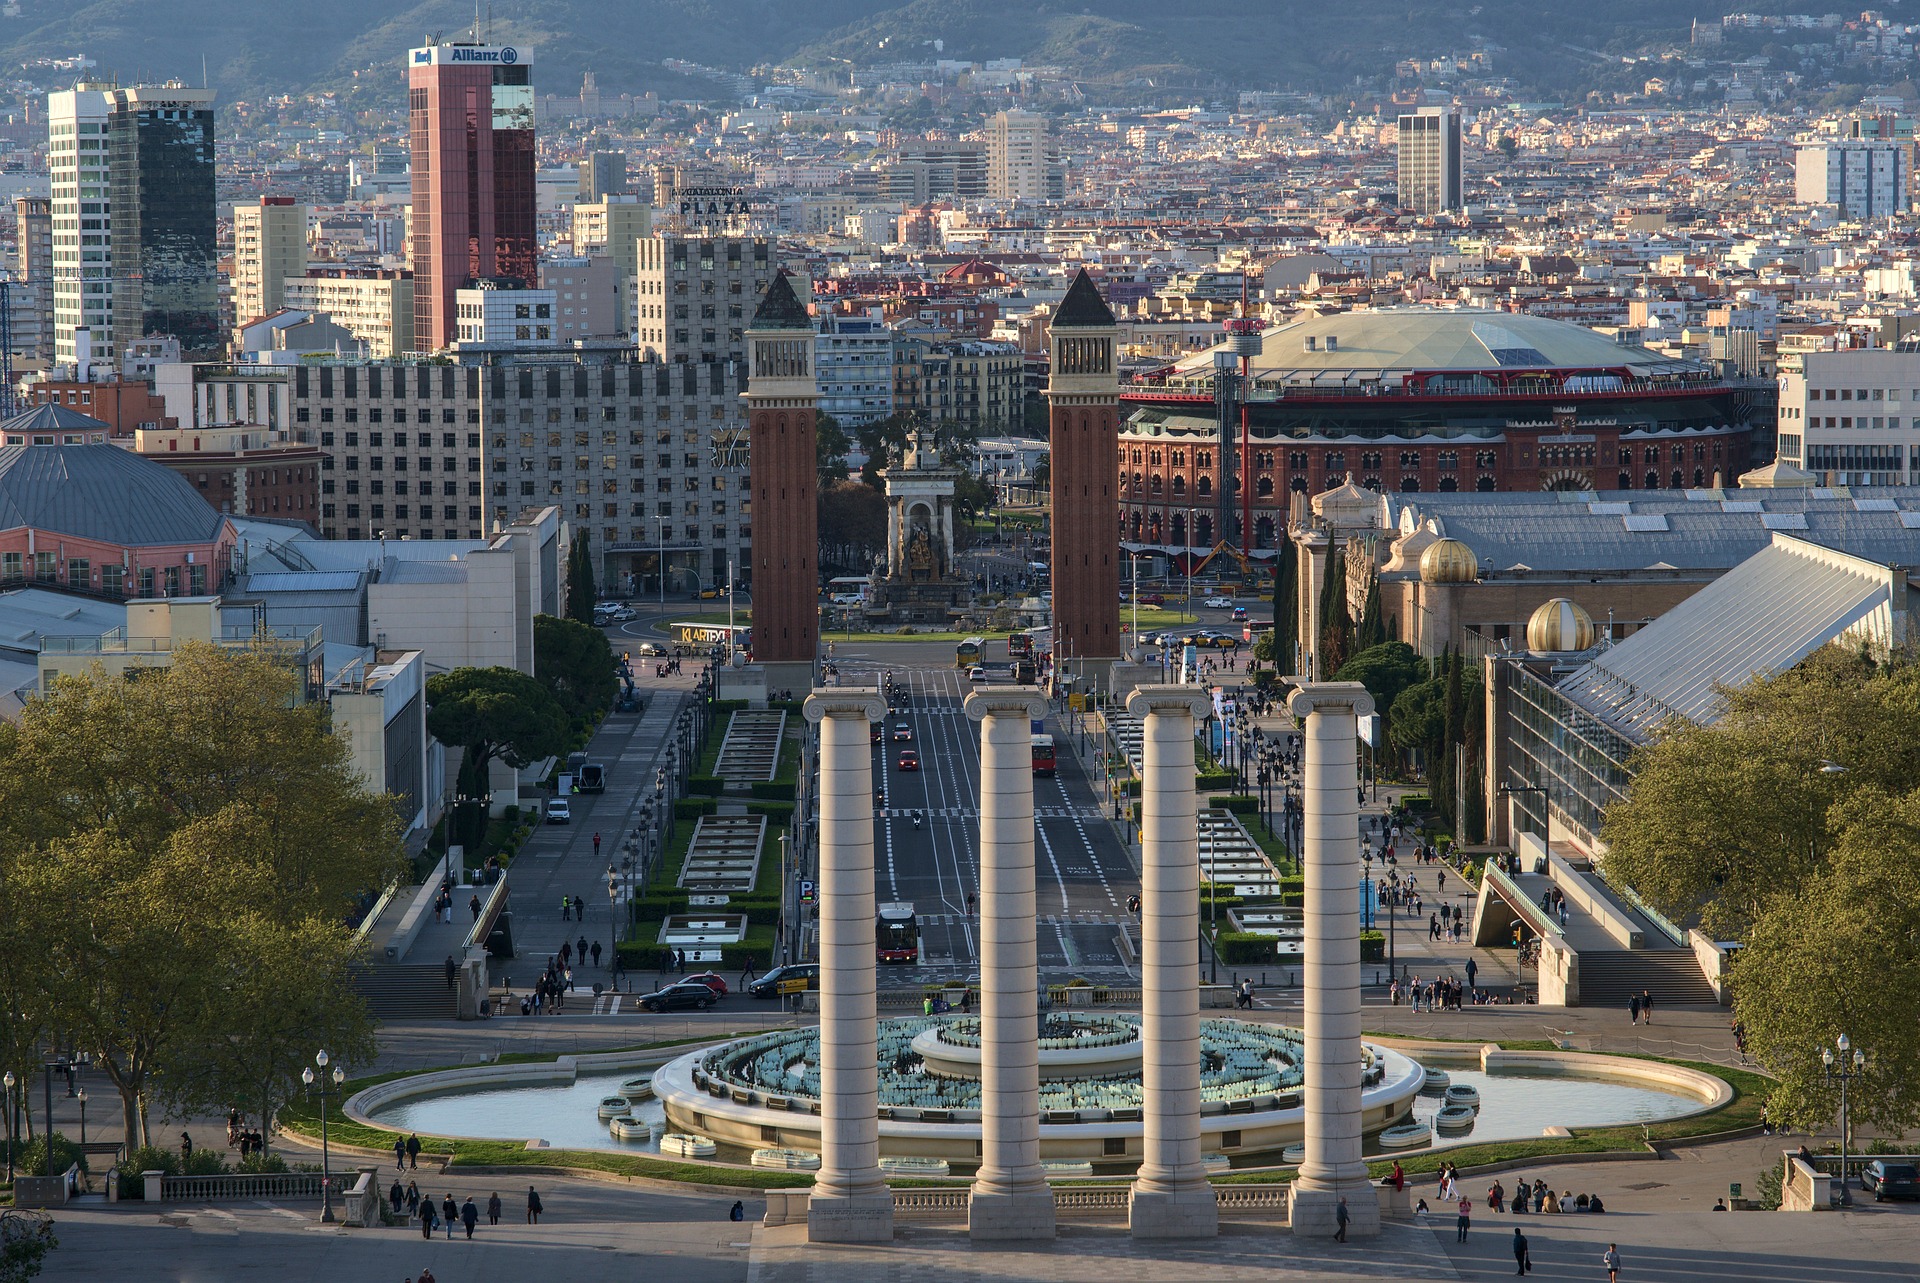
(1005, 701)
(1169, 699)
(1330, 697)
(863, 702)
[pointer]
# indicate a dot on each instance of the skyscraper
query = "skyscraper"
(1430, 160)
(470, 117)
(269, 245)
(133, 215)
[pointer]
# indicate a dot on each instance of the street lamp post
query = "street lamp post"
(337, 1077)
(1366, 882)
(81, 1096)
(1850, 1064)
(13, 1122)
(664, 522)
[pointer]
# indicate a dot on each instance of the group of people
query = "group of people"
(573, 906)
(1446, 923)
(240, 1137)
(418, 1207)
(549, 993)
(1553, 900)
(1640, 1007)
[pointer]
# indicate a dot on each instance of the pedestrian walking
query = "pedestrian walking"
(473, 903)
(596, 844)
(469, 1215)
(596, 953)
(1646, 1004)
(1611, 1260)
(400, 1152)
(1473, 970)
(566, 952)
(449, 1213)
(1463, 1221)
(452, 969)
(1521, 1264)
(580, 949)
(413, 1151)
(427, 1218)
(493, 1208)
(397, 1196)
(413, 1199)
(566, 908)
(1340, 1219)
(1633, 1008)
(533, 1206)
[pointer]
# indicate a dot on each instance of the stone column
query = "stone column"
(1330, 847)
(850, 1203)
(1171, 1196)
(1010, 1197)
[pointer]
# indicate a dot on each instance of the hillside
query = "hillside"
(255, 46)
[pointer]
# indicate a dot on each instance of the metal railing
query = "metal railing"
(489, 913)
(1086, 1202)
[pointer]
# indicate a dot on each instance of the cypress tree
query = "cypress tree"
(1335, 642)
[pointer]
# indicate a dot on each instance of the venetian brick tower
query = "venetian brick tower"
(780, 396)
(1083, 424)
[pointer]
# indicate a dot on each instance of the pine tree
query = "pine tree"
(580, 586)
(1373, 628)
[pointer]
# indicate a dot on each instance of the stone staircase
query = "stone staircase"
(1608, 978)
(406, 992)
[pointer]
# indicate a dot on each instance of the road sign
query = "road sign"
(1078, 703)
(793, 986)
(806, 893)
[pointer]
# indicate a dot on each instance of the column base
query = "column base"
(1315, 1208)
(1027, 1215)
(865, 1218)
(1183, 1213)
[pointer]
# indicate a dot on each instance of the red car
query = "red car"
(909, 760)
(710, 980)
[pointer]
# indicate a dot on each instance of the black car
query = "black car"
(1890, 1180)
(768, 986)
(679, 997)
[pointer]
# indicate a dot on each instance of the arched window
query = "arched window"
(1203, 458)
(1204, 486)
(1180, 528)
(1448, 485)
(1409, 484)
(1370, 460)
(1298, 485)
(1263, 486)
(1370, 483)
(1154, 484)
(1699, 477)
(1297, 460)
(1138, 521)
(1179, 484)
(1653, 481)
(1204, 527)
(1626, 481)
(1678, 480)
(1263, 533)
(1484, 485)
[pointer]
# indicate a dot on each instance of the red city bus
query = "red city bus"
(1043, 760)
(897, 934)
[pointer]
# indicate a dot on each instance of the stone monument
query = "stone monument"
(921, 582)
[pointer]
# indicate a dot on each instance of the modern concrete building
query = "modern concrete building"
(853, 359)
(503, 315)
(586, 303)
(1429, 151)
(374, 304)
(937, 169)
(269, 245)
(1852, 418)
(1083, 394)
(602, 174)
(781, 394)
(133, 216)
(30, 298)
(694, 293)
(1864, 177)
(1021, 164)
(471, 120)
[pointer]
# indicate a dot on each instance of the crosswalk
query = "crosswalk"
(973, 812)
(1048, 919)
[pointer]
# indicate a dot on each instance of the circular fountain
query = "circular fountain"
(765, 1090)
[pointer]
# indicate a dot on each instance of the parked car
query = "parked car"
(559, 811)
(1219, 603)
(768, 985)
(710, 979)
(1890, 1180)
(909, 760)
(679, 997)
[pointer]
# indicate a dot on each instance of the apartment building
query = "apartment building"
(269, 245)
(693, 294)
(1021, 163)
(1865, 177)
(586, 291)
(373, 304)
(614, 227)
(1429, 155)
(853, 361)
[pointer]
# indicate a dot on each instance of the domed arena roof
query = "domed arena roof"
(65, 477)
(1386, 343)
(1448, 561)
(1559, 626)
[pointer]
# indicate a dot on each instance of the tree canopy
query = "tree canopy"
(574, 662)
(141, 820)
(1792, 825)
(496, 713)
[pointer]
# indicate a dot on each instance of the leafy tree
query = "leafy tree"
(580, 586)
(1385, 670)
(831, 443)
(575, 663)
(1417, 722)
(972, 498)
(496, 713)
(25, 1240)
(280, 993)
(884, 442)
(853, 522)
(1043, 473)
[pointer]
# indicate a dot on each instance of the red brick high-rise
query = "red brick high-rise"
(781, 392)
(470, 119)
(1083, 427)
